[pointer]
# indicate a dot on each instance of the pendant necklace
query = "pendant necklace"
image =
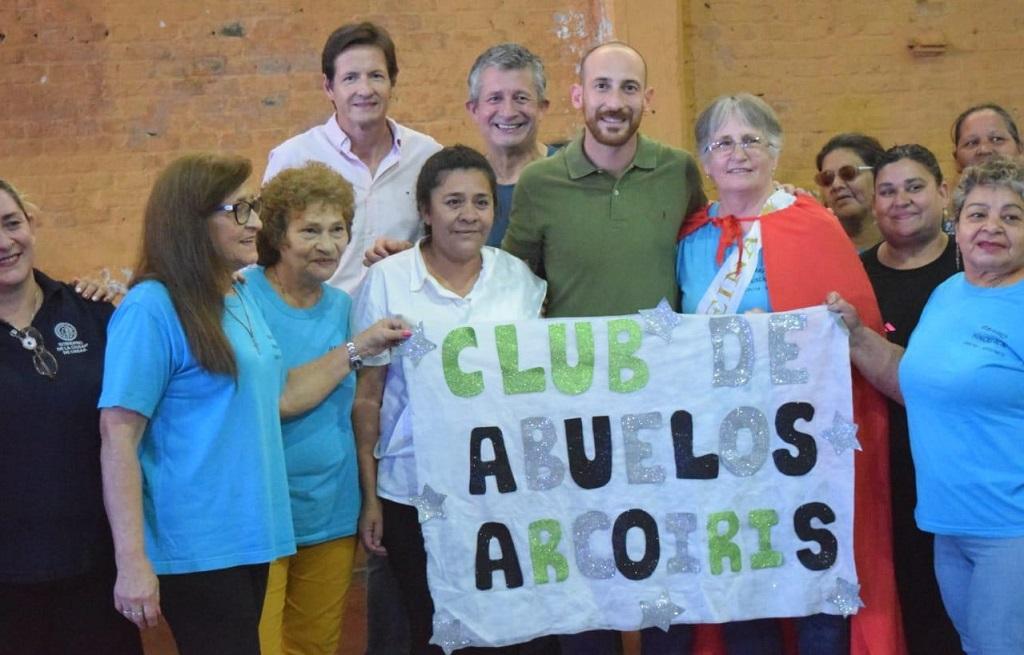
(247, 325)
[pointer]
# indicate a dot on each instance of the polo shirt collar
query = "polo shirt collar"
(343, 144)
(579, 164)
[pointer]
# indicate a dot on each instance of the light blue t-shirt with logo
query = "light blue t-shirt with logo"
(214, 486)
(319, 446)
(962, 378)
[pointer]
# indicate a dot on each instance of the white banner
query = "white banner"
(624, 472)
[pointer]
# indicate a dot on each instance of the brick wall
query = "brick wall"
(829, 67)
(99, 95)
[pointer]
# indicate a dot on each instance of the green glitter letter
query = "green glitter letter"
(529, 381)
(721, 545)
(620, 356)
(765, 557)
(462, 384)
(572, 380)
(545, 553)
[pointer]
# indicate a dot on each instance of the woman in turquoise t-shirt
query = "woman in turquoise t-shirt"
(194, 476)
(961, 379)
(306, 215)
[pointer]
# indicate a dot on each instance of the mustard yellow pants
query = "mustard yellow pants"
(305, 599)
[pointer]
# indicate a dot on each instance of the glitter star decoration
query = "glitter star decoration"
(448, 633)
(429, 504)
(660, 321)
(659, 613)
(416, 346)
(846, 597)
(842, 435)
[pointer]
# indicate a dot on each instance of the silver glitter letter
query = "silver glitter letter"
(543, 469)
(637, 450)
(588, 565)
(743, 418)
(782, 351)
(739, 375)
(681, 524)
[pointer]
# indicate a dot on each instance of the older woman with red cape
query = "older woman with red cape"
(762, 249)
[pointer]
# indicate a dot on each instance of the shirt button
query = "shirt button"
(615, 192)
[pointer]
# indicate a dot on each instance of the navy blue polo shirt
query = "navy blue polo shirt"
(52, 522)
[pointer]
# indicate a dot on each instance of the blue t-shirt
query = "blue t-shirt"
(319, 446)
(696, 268)
(214, 487)
(962, 378)
(503, 207)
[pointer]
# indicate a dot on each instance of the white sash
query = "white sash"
(725, 292)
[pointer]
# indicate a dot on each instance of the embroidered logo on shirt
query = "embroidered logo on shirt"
(69, 343)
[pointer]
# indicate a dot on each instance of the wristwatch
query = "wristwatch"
(355, 362)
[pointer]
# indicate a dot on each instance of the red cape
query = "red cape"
(806, 255)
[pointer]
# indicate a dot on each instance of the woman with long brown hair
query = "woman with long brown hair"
(193, 464)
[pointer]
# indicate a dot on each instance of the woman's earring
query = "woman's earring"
(947, 223)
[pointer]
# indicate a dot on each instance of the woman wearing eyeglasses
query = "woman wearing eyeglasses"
(762, 249)
(982, 132)
(194, 473)
(56, 559)
(915, 257)
(847, 184)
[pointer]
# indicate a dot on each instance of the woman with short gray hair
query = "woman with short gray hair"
(759, 248)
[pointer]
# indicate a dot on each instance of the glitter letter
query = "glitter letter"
(752, 420)
(621, 358)
(508, 563)
(765, 557)
(462, 384)
(738, 375)
(638, 450)
(589, 473)
(499, 467)
(721, 545)
(572, 380)
(782, 351)
(544, 553)
(543, 469)
(590, 566)
(807, 449)
(515, 381)
(689, 467)
(681, 524)
(828, 545)
(642, 568)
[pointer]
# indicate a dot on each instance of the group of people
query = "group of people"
(213, 451)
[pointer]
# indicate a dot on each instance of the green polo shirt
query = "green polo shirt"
(606, 246)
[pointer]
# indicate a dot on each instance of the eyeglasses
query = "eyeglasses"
(727, 146)
(243, 209)
(846, 173)
(43, 359)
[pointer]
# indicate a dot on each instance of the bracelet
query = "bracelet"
(355, 362)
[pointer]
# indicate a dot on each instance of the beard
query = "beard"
(619, 137)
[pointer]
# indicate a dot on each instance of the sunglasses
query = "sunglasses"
(43, 359)
(845, 173)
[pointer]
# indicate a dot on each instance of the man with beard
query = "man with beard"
(599, 221)
(599, 218)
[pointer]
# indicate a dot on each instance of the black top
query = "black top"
(52, 522)
(902, 294)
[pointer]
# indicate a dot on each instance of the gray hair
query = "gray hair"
(507, 57)
(995, 173)
(751, 109)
